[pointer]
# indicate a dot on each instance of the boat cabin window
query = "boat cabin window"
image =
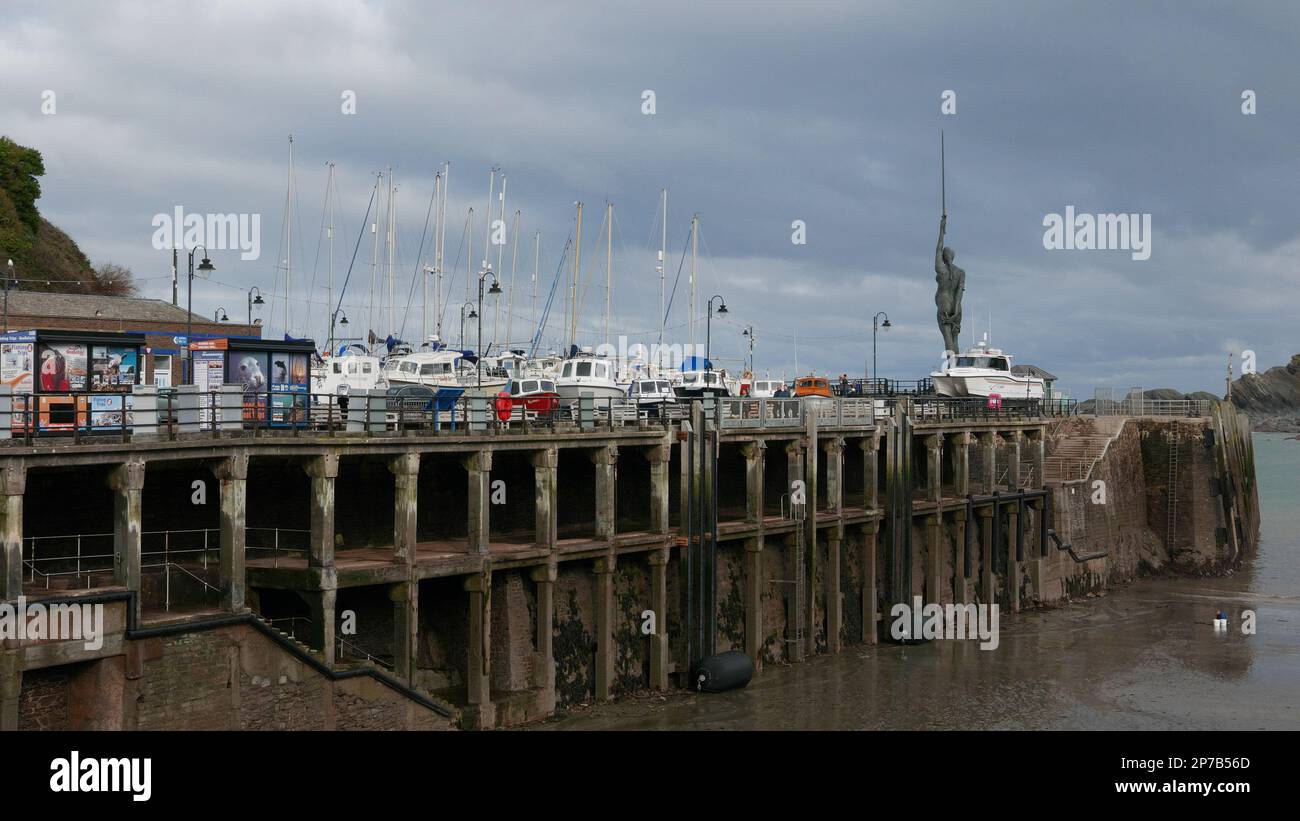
(548, 386)
(530, 386)
(338, 367)
(648, 387)
(409, 367)
(365, 367)
(996, 363)
(568, 369)
(584, 369)
(663, 387)
(711, 378)
(352, 367)
(601, 370)
(635, 387)
(514, 386)
(428, 369)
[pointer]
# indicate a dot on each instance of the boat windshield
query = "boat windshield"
(996, 363)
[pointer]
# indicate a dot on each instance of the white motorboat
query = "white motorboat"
(586, 374)
(985, 371)
(352, 369)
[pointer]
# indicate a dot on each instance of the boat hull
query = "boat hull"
(1007, 386)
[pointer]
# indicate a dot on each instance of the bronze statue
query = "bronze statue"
(947, 297)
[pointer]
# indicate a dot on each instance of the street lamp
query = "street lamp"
(708, 329)
(495, 289)
(8, 279)
(472, 315)
(219, 315)
(875, 325)
(749, 332)
(207, 268)
(252, 302)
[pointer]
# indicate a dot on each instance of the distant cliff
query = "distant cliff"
(1271, 399)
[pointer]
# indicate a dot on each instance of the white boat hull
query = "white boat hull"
(1007, 386)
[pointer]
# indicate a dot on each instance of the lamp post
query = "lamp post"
(708, 330)
(8, 279)
(472, 315)
(875, 325)
(207, 267)
(495, 289)
(749, 332)
(219, 315)
(252, 302)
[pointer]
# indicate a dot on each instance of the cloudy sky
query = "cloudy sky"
(765, 113)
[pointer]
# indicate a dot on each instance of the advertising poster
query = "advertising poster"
(209, 375)
(63, 367)
(290, 384)
(113, 369)
(17, 358)
(106, 411)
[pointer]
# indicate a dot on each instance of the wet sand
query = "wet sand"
(1144, 657)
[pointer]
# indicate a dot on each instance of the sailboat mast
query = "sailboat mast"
(609, 260)
(331, 207)
(514, 265)
(469, 257)
(374, 256)
(496, 304)
(288, 266)
(442, 237)
(487, 217)
(424, 270)
(577, 273)
(392, 242)
(695, 229)
(663, 254)
(537, 257)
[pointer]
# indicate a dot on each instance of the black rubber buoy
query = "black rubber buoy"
(724, 671)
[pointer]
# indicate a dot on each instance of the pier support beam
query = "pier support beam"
(11, 688)
(871, 456)
(479, 660)
(659, 458)
(985, 518)
(545, 473)
(1013, 459)
(960, 443)
(989, 454)
(478, 466)
(604, 607)
(934, 467)
(934, 559)
(127, 483)
(659, 604)
(324, 617)
(834, 452)
(1037, 557)
(1013, 565)
(406, 625)
(1036, 443)
(323, 470)
(544, 662)
(753, 453)
(406, 495)
(834, 598)
(232, 478)
(870, 535)
(606, 461)
(965, 585)
(13, 483)
(754, 600)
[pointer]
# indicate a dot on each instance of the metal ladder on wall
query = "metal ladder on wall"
(1172, 491)
(797, 514)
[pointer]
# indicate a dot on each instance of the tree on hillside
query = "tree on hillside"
(111, 279)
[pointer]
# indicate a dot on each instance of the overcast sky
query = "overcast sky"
(765, 113)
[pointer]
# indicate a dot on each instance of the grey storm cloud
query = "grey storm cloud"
(766, 113)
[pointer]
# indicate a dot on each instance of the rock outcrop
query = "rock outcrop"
(1271, 399)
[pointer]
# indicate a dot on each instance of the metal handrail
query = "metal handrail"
(343, 645)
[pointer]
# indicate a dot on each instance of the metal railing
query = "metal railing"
(277, 544)
(346, 649)
(746, 412)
